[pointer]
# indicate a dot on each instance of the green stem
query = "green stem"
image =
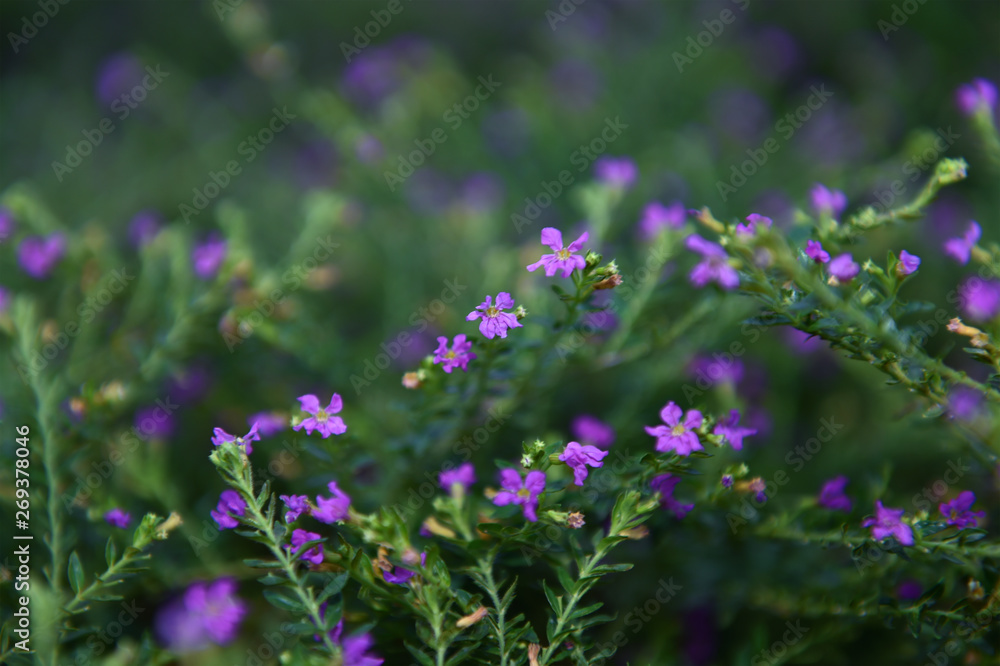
(500, 625)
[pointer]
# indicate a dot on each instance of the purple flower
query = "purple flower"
(908, 264)
(831, 495)
(230, 505)
(979, 94)
(330, 510)
(579, 457)
(354, 649)
(154, 422)
(979, 299)
(844, 268)
(727, 481)
(117, 76)
(827, 202)
(456, 357)
(592, 430)
(524, 493)
(118, 518)
(753, 221)
(958, 512)
(656, 216)
(221, 437)
(268, 423)
(494, 320)
(563, 260)
(714, 265)
(208, 256)
(960, 249)
(758, 486)
(206, 613)
(6, 224)
(400, 575)
(677, 436)
(964, 403)
(731, 430)
(322, 419)
(465, 475)
(143, 228)
(616, 171)
(299, 537)
(888, 522)
(297, 505)
(38, 255)
(4, 300)
(815, 251)
(716, 368)
(909, 590)
(664, 484)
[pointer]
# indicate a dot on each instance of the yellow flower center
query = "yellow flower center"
(492, 311)
(450, 354)
(322, 416)
(524, 492)
(678, 430)
(563, 254)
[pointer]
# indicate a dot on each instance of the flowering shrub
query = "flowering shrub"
(710, 431)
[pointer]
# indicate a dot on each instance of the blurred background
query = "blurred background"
(377, 168)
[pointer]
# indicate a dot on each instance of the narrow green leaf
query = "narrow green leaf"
(75, 572)
(554, 601)
(279, 600)
(110, 553)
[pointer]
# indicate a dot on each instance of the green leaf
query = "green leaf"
(565, 579)
(419, 655)
(279, 600)
(110, 553)
(333, 587)
(262, 564)
(586, 610)
(554, 601)
(76, 578)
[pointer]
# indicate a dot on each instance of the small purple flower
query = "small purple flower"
(221, 437)
(979, 94)
(230, 505)
(964, 403)
(465, 475)
(206, 613)
(591, 430)
(118, 518)
(38, 255)
(524, 493)
(456, 357)
(831, 495)
(731, 430)
(889, 522)
(154, 422)
(494, 321)
(716, 368)
(268, 423)
(754, 221)
(678, 436)
(6, 224)
(664, 484)
(908, 264)
(844, 268)
(297, 505)
(299, 537)
(579, 457)
(909, 590)
(714, 265)
(322, 419)
(979, 299)
(727, 481)
(758, 486)
(400, 575)
(143, 228)
(960, 249)
(815, 251)
(959, 513)
(827, 202)
(656, 216)
(330, 510)
(208, 256)
(618, 172)
(354, 649)
(563, 260)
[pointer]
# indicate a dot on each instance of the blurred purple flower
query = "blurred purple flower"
(844, 268)
(117, 76)
(740, 114)
(507, 132)
(677, 435)
(465, 475)
(753, 221)
(815, 251)
(369, 149)
(207, 256)
(730, 429)
(525, 493)
(154, 422)
(354, 649)
(143, 228)
(482, 192)
(909, 590)
(268, 423)
(978, 94)
(831, 495)
(964, 403)
(979, 299)
(889, 522)
(908, 264)
(6, 224)
(118, 518)
(206, 613)
(620, 172)
(230, 505)
(401, 575)
(591, 430)
(665, 484)
(333, 509)
(315, 164)
(5, 300)
(959, 513)
(656, 216)
(575, 84)
(714, 265)
(297, 505)
(827, 202)
(701, 636)
(579, 457)
(773, 52)
(299, 537)
(220, 437)
(960, 249)
(38, 255)
(190, 383)
(727, 481)
(716, 368)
